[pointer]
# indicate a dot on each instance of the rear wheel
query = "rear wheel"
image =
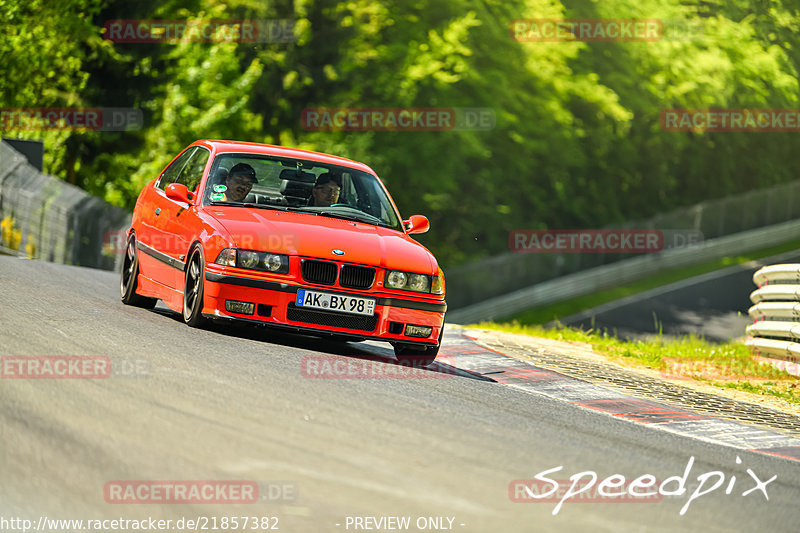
(129, 278)
(193, 290)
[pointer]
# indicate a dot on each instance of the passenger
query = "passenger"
(239, 182)
(326, 190)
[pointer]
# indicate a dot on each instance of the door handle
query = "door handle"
(158, 211)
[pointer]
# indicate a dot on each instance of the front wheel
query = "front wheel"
(416, 356)
(193, 290)
(129, 278)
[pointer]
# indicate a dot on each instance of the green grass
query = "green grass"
(783, 391)
(545, 314)
(728, 365)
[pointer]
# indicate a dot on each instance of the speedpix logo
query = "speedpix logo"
(645, 487)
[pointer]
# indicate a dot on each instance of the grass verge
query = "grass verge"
(548, 313)
(727, 365)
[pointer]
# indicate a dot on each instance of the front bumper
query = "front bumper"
(275, 305)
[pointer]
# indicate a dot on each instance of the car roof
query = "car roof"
(221, 146)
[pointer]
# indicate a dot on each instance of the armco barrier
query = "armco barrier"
(46, 218)
(506, 273)
(621, 272)
(776, 330)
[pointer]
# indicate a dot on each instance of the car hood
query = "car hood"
(317, 236)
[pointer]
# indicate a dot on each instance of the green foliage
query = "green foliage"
(577, 141)
(687, 357)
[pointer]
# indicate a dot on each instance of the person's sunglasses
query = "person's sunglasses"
(244, 180)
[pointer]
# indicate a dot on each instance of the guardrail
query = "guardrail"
(621, 272)
(46, 218)
(776, 313)
(482, 280)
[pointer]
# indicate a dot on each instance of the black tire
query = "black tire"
(415, 355)
(193, 290)
(129, 278)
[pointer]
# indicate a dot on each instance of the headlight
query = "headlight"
(418, 282)
(410, 281)
(396, 280)
(264, 261)
(274, 262)
(247, 259)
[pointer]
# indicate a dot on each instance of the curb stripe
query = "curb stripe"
(522, 375)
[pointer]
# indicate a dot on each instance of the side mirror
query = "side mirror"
(416, 224)
(179, 192)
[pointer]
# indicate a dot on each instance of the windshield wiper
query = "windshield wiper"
(251, 204)
(267, 206)
(365, 218)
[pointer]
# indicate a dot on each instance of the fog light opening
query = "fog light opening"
(418, 331)
(243, 308)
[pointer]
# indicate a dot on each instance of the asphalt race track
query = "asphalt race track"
(234, 404)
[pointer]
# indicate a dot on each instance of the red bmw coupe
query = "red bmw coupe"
(287, 238)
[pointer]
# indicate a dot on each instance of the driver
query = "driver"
(239, 182)
(326, 190)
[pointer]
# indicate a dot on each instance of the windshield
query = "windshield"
(250, 180)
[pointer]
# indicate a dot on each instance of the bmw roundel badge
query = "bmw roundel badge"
(338, 252)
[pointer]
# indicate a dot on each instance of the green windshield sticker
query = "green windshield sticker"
(220, 188)
(218, 196)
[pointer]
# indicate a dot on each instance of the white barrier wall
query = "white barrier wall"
(46, 218)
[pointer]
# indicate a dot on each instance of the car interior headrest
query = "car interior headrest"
(296, 189)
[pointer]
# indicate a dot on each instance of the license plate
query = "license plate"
(335, 302)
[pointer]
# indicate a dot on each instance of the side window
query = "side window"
(348, 194)
(170, 175)
(365, 196)
(193, 171)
